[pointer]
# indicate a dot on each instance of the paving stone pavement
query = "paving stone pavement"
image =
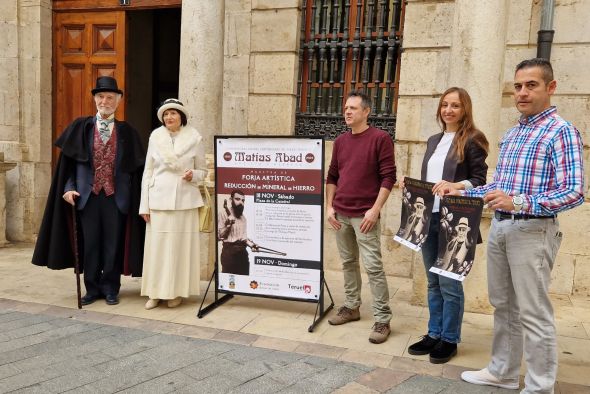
(42, 353)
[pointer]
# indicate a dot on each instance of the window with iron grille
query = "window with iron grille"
(347, 45)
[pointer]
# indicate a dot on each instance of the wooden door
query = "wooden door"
(87, 45)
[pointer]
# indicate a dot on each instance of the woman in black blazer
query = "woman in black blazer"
(454, 158)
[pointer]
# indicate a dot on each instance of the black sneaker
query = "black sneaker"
(424, 346)
(443, 352)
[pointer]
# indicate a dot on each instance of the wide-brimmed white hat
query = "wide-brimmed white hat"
(463, 223)
(419, 201)
(171, 104)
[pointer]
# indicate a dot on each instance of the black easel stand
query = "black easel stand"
(320, 308)
(217, 301)
(320, 312)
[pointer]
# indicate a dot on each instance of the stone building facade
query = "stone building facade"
(454, 43)
(238, 73)
(25, 112)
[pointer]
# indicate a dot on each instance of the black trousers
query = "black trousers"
(234, 258)
(103, 227)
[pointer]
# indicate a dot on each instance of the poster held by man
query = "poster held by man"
(417, 202)
(459, 224)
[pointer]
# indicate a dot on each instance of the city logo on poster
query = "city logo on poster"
(227, 156)
(305, 288)
(256, 285)
(309, 158)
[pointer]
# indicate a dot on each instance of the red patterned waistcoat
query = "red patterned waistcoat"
(104, 156)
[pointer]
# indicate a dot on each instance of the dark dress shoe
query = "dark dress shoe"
(443, 352)
(89, 299)
(112, 299)
(424, 346)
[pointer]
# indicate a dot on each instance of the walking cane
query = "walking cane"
(76, 258)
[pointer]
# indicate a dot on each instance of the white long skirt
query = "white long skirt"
(171, 257)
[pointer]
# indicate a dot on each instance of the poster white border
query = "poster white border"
(283, 182)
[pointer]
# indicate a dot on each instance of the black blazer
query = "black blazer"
(473, 167)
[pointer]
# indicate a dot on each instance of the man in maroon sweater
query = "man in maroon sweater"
(361, 175)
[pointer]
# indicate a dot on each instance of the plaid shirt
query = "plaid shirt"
(541, 159)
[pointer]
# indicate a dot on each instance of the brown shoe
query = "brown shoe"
(380, 333)
(345, 315)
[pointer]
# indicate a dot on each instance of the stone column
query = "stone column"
(3, 168)
(25, 112)
(201, 84)
(477, 62)
(201, 65)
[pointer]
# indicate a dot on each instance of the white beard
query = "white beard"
(105, 115)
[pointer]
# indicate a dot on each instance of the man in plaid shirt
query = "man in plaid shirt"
(539, 174)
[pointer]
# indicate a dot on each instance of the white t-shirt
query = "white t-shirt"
(434, 169)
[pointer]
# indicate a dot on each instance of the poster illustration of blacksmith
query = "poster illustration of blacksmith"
(459, 232)
(417, 202)
(232, 231)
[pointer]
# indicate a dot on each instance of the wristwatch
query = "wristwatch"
(518, 202)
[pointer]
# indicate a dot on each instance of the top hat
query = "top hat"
(106, 84)
(171, 104)
(463, 222)
(419, 201)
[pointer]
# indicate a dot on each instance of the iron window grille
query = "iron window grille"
(346, 45)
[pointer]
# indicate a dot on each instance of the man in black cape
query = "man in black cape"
(99, 170)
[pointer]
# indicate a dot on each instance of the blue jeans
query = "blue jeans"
(445, 295)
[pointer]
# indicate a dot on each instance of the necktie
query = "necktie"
(413, 225)
(103, 130)
(455, 251)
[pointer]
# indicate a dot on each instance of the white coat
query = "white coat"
(162, 186)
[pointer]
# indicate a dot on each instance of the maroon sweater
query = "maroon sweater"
(361, 165)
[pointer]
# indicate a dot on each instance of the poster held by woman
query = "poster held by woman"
(417, 202)
(459, 225)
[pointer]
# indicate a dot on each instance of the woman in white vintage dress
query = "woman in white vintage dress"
(170, 196)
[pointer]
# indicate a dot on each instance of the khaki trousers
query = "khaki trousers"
(520, 258)
(352, 243)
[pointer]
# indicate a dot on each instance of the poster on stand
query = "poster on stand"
(269, 196)
(459, 228)
(417, 202)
